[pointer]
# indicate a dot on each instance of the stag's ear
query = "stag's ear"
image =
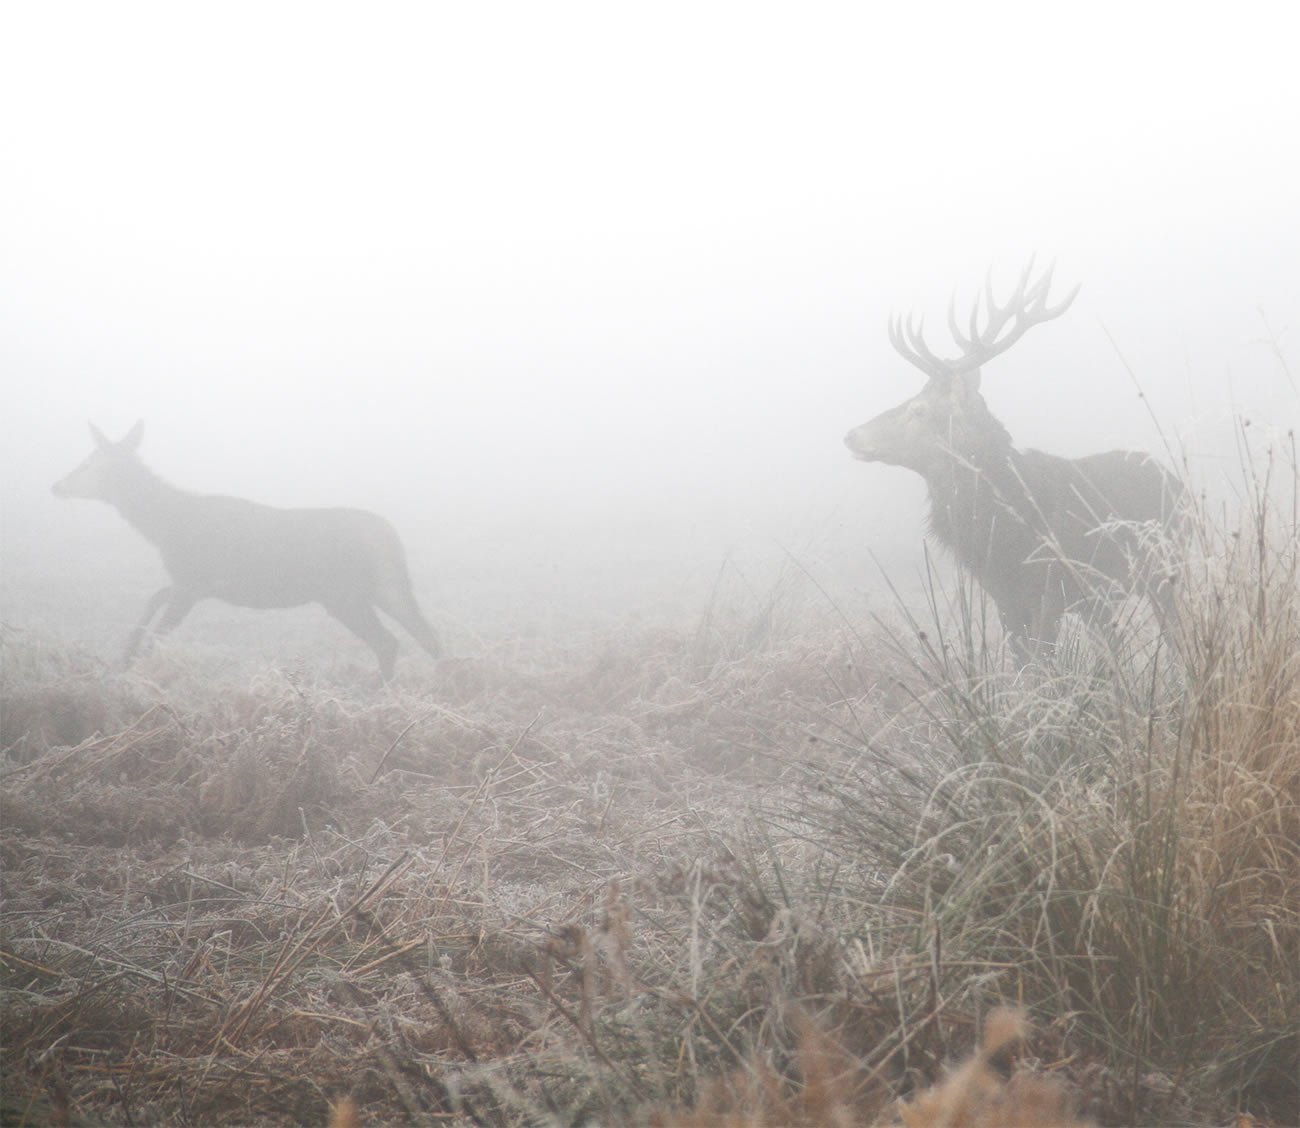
(101, 439)
(132, 438)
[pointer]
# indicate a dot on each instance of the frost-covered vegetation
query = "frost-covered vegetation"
(784, 863)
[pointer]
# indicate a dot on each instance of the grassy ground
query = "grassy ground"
(781, 864)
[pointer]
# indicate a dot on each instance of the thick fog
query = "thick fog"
(584, 297)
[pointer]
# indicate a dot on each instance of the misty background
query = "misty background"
(584, 297)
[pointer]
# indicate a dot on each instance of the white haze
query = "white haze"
(583, 297)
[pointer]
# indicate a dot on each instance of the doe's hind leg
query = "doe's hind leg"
(359, 617)
(401, 606)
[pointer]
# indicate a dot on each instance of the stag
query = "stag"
(1043, 535)
(347, 560)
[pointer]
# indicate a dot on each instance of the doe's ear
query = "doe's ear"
(101, 439)
(134, 435)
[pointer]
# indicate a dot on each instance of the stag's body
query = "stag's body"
(1042, 534)
(348, 560)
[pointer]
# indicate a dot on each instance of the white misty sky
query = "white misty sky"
(552, 266)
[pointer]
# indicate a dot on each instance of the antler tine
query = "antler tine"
(1026, 307)
(910, 344)
(1025, 276)
(1019, 302)
(957, 335)
(1036, 300)
(1055, 311)
(973, 340)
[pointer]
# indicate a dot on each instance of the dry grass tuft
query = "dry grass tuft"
(984, 1092)
(823, 1091)
(832, 1087)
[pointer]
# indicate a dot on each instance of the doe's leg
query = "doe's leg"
(403, 608)
(360, 618)
(178, 604)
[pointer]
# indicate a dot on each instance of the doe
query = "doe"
(347, 560)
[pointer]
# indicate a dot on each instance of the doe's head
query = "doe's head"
(98, 476)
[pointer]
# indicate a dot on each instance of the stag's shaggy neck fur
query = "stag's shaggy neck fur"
(1028, 524)
(973, 481)
(998, 509)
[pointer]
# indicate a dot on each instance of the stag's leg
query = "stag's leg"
(1042, 625)
(1023, 648)
(1022, 626)
(402, 607)
(1160, 594)
(178, 603)
(361, 620)
(1034, 641)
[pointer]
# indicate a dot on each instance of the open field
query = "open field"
(690, 352)
(778, 861)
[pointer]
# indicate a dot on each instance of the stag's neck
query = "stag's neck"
(971, 496)
(153, 507)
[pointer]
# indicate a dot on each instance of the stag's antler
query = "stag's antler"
(1025, 308)
(909, 343)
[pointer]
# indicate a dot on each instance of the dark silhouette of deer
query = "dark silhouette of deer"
(1042, 534)
(348, 560)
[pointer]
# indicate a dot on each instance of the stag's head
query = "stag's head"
(948, 419)
(99, 475)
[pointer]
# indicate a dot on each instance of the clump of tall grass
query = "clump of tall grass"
(1112, 834)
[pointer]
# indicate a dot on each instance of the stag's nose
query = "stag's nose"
(853, 440)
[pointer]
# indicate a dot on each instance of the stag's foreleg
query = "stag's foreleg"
(1030, 613)
(178, 603)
